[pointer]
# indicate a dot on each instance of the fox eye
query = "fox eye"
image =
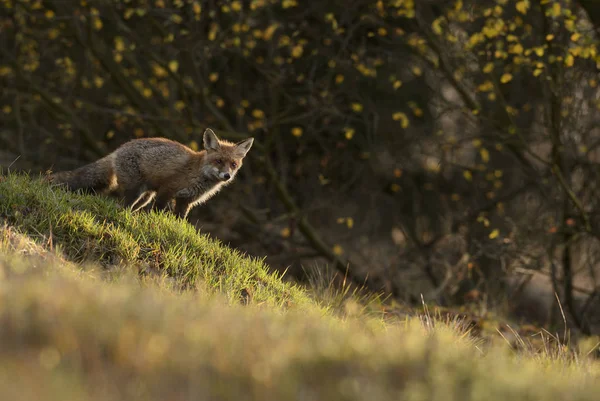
(219, 161)
(234, 165)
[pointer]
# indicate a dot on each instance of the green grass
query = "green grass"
(95, 228)
(80, 323)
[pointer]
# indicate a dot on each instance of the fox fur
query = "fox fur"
(158, 168)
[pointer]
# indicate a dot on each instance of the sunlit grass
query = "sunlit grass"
(99, 304)
(96, 228)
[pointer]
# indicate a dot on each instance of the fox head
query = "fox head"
(224, 158)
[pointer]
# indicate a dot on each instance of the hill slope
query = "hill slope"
(71, 330)
(96, 228)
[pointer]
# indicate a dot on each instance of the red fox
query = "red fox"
(142, 169)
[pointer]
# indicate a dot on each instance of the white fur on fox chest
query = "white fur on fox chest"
(199, 193)
(203, 189)
(207, 194)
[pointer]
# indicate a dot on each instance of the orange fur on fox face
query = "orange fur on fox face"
(224, 158)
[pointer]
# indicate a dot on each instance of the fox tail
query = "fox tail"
(94, 177)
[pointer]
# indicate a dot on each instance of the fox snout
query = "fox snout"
(224, 176)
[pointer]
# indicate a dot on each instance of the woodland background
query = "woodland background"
(448, 150)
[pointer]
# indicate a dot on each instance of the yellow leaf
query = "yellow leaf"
(297, 51)
(436, 26)
(348, 132)
(512, 111)
(397, 84)
(485, 155)
(285, 233)
(494, 233)
(489, 67)
(506, 78)
(257, 113)
(338, 250)
(97, 24)
(197, 8)
(212, 33)
(98, 82)
(339, 78)
(570, 25)
(173, 65)
(537, 72)
(555, 10)
(395, 187)
(522, 6)
(119, 44)
(417, 71)
(159, 71)
(213, 77)
(575, 37)
(357, 107)
(349, 222)
(270, 31)
(297, 132)
(486, 86)
(517, 49)
(193, 145)
(569, 60)
(399, 116)
(289, 3)
(468, 175)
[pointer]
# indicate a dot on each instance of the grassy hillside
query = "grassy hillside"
(77, 323)
(95, 228)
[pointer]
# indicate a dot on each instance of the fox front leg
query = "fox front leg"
(182, 207)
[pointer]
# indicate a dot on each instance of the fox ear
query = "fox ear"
(242, 148)
(211, 142)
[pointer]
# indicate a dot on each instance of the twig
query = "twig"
(562, 312)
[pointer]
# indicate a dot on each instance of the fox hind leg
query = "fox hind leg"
(144, 200)
(136, 198)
